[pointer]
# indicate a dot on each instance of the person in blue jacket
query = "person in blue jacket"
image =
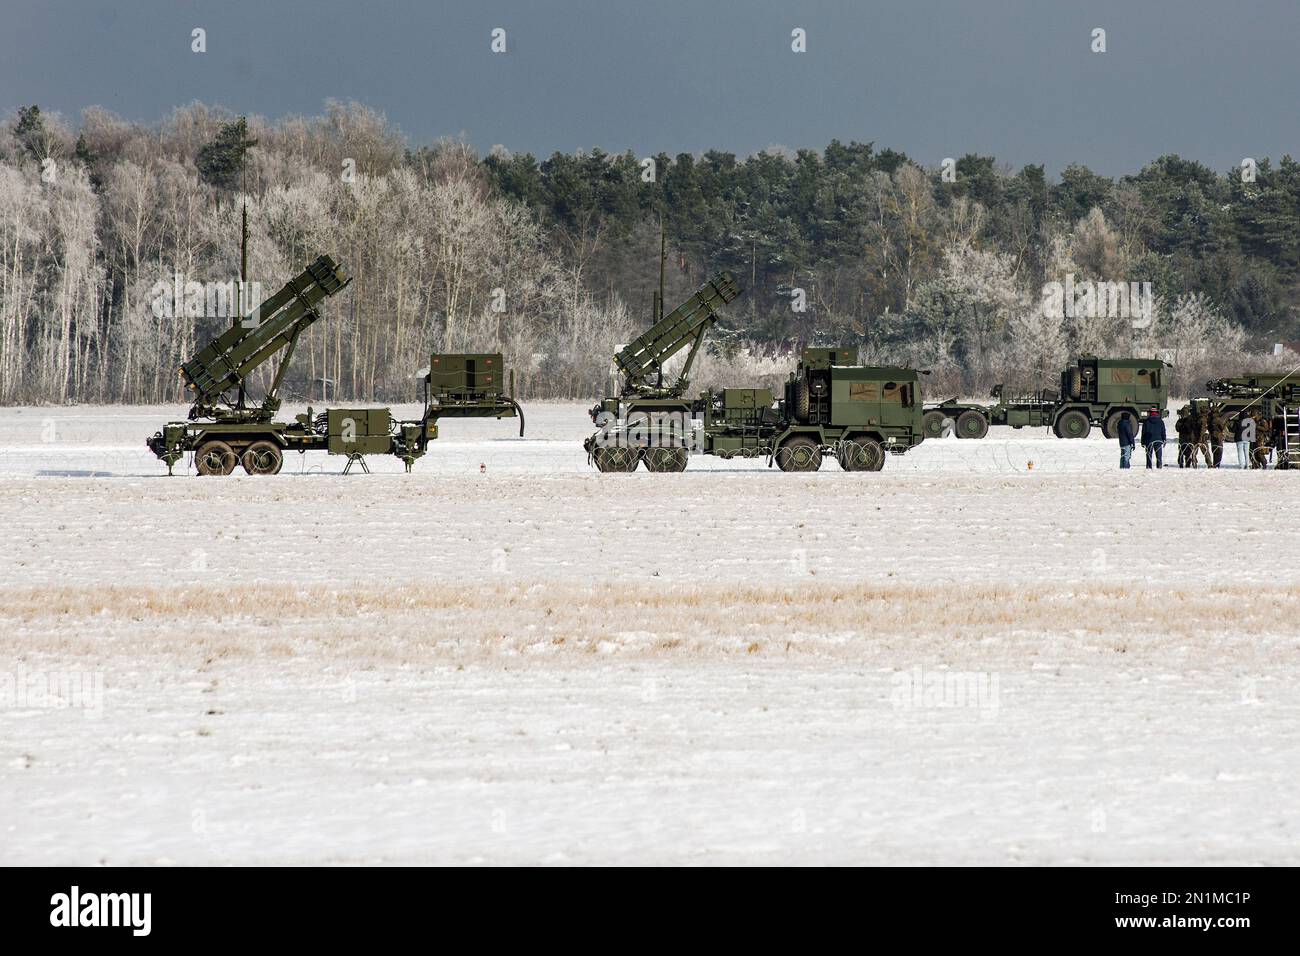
(1153, 437)
(1126, 442)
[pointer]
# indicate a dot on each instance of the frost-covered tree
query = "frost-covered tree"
(554, 260)
(959, 322)
(1195, 336)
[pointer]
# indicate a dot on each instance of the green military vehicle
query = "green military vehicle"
(226, 427)
(1272, 399)
(460, 385)
(856, 413)
(1094, 391)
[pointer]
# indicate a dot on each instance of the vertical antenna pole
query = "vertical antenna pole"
(243, 246)
(663, 256)
(659, 295)
(243, 260)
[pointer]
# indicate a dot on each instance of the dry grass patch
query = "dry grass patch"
(423, 622)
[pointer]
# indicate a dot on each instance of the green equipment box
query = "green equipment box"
(358, 431)
(480, 374)
(745, 406)
(825, 358)
(746, 398)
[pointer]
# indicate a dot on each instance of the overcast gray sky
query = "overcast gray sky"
(1214, 80)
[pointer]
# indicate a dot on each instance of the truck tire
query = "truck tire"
(1111, 427)
(262, 458)
(1073, 424)
(615, 458)
(662, 460)
(802, 400)
(1076, 383)
(860, 453)
(799, 453)
(972, 424)
(214, 458)
(933, 424)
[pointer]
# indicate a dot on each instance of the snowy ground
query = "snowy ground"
(958, 660)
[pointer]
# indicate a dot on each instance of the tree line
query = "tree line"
(554, 261)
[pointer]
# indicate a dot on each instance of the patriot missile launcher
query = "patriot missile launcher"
(831, 405)
(226, 428)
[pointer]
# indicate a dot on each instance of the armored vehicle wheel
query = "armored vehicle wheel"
(214, 458)
(860, 454)
(932, 424)
(617, 458)
(802, 400)
(666, 459)
(971, 424)
(799, 453)
(262, 458)
(1111, 427)
(1073, 424)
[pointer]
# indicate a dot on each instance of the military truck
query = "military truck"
(1093, 391)
(832, 406)
(1271, 398)
(226, 428)
(857, 413)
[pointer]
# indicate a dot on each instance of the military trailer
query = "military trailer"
(226, 428)
(1094, 391)
(469, 386)
(856, 413)
(1272, 399)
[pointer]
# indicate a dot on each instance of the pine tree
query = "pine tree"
(221, 161)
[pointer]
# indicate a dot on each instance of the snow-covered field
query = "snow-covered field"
(506, 657)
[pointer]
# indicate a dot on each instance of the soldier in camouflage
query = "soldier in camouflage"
(1218, 430)
(1263, 439)
(1201, 433)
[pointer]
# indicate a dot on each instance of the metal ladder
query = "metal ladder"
(1290, 450)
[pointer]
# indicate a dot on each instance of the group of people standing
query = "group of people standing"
(1202, 429)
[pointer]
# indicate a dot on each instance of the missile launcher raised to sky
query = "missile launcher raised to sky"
(227, 428)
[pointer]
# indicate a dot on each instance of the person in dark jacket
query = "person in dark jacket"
(1183, 426)
(1153, 437)
(1126, 443)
